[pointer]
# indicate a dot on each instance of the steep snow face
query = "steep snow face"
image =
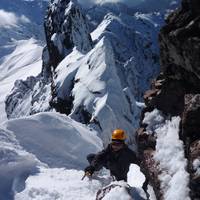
(134, 41)
(103, 84)
(98, 97)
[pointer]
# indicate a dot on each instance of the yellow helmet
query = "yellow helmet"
(118, 134)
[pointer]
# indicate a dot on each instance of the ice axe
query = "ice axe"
(88, 174)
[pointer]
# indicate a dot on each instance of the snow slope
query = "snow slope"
(24, 60)
(49, 138)
(55, 139)
(43, 158)
(16, 165)
(65, 184)
(21, 36)
(59, 184)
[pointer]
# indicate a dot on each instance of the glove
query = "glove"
(90, 169)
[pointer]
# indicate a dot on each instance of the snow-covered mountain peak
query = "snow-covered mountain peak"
(97, 91)
(87, 77)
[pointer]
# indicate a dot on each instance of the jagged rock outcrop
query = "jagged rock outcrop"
(20, 92)
(176, 91)
(148, 165)
(65, 28)
(191, 136)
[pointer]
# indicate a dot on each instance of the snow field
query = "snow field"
(58, 183)
(64, 184)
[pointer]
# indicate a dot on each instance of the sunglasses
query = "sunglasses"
(117, 144)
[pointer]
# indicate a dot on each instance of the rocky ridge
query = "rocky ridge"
(175, 92)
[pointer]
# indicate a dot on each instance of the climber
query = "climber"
(116, 157)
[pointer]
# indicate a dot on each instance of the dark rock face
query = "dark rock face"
(148, 165)
(191, 136)
(195, 177)
(191, 117)
(177, 90)
(65, 28)
(180, 46)
(21, 88)
(167, 96)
